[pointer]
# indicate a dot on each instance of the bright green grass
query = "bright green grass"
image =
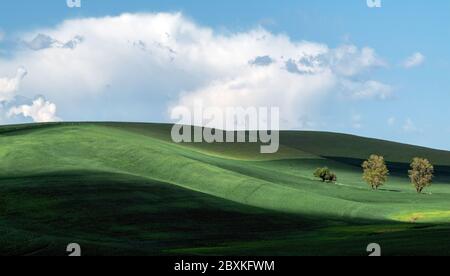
(127, 189)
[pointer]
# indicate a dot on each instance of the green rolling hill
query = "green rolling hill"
(126, 189)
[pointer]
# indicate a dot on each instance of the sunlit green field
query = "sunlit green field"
(126, 189)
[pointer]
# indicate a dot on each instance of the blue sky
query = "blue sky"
(415, 112)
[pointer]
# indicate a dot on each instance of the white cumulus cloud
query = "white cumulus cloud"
(41, 111)
(42, 41)
(9, 86)
(367, 89)
(348, 60)
(415, 60)
(152, 62)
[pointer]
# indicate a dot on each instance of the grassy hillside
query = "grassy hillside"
(127, 189)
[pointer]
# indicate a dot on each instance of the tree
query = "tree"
(325, 175)
(321, 173)
(421, 173)
(331, 177)
(375, 171)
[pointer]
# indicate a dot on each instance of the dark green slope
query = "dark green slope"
(122, 214)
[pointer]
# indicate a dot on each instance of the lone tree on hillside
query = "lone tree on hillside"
(421, 173)
(325, 174)
(375, 171)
